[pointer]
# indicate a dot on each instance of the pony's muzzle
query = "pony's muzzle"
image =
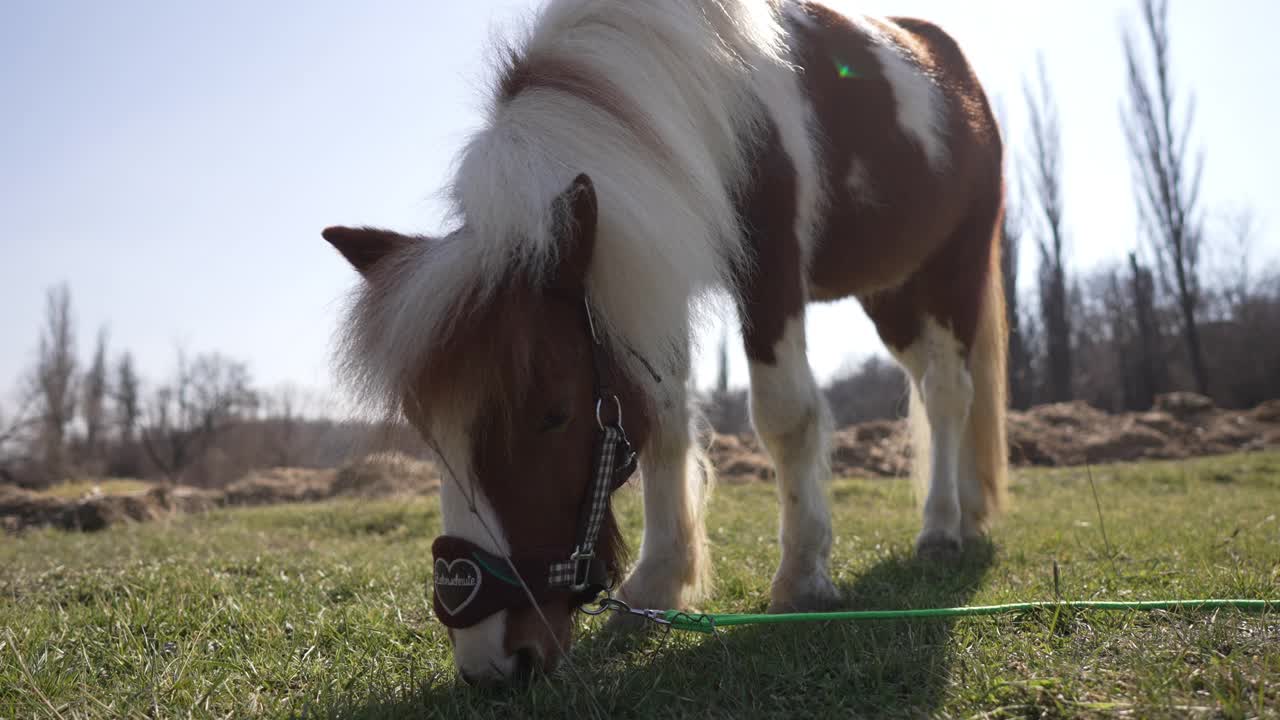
(518, 669)
(512, 647)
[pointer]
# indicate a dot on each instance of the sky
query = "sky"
(174, 163)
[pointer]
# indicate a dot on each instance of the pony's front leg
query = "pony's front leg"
(673, 570)
(792, 421)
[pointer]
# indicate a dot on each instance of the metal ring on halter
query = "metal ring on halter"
(600, 406)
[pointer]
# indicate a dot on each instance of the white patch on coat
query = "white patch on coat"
(921, 107)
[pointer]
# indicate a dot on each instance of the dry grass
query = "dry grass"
(76, 489)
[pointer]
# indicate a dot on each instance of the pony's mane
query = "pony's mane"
(653, 100)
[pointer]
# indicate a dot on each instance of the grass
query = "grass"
(320, 611)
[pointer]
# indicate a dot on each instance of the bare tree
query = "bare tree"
(127, 399)
(54, 381)
(1046, 188)
(94, 403)
(165, 436)
(288, 412)
(1149, 376)
(1232, 272)
(15, 425)
(875, 390)
(12, 432)
(1167, 178)
(1020, 377)
(205, 398)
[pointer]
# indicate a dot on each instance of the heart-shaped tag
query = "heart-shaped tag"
(457, 583)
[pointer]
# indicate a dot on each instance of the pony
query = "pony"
(637, 156)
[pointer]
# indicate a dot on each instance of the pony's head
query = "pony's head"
(495, 361)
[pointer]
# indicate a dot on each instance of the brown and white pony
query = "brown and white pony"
(648, 153)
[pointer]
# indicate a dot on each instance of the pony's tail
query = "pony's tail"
(988, 418)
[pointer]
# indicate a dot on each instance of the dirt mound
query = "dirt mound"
(1181, 425)
(875, 448)
(21, 508)
(1184, 404)
(386, 475)
(280, 485)
(374, 476)
(739, 458)
(379, 475)
(1267, 412)
(1064, 434)
(95, 511)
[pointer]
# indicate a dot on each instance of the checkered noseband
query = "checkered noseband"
(470, 584)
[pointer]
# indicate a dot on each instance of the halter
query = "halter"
(470, 583)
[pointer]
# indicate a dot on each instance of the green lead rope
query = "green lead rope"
(709, 622)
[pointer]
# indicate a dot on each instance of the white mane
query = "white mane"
(668, 231)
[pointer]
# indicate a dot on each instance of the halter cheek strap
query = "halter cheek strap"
(614, 463)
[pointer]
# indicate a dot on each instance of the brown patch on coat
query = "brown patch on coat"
(772, 286)
(922, 244)
(951, 285)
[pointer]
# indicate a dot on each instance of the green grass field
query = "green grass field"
(320, 610)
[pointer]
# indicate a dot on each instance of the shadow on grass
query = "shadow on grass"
(830, 668)
(883, 667)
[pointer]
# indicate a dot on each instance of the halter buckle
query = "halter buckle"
(581, 569)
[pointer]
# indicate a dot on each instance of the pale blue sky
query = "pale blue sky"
(175, 162)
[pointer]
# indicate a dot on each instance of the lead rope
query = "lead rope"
(709, 623)
(469, 494)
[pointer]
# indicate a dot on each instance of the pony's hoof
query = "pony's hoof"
(817, 594)
(937, 546)
(623, 625)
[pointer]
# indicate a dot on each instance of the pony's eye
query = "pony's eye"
(553, 421)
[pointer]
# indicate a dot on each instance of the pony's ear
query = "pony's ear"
(364, 247)
(577, 240)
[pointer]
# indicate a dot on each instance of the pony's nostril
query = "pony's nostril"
(526, 660)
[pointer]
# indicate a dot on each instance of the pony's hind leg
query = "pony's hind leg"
(792, 421)
(946, 327)
(942, 397)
